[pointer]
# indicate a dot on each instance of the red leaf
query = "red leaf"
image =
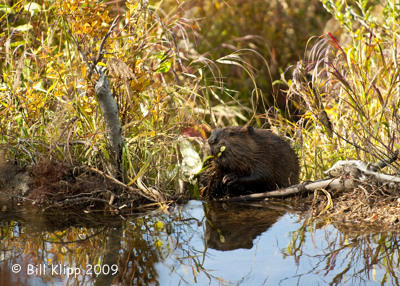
(334, 42)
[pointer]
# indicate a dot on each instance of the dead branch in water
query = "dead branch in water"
(343, 175)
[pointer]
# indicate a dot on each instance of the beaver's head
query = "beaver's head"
(233, 147)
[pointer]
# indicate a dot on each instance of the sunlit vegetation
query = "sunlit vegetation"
(178, 69)
(347, 87)
(164, 80)
(48, 106)
(166, 85)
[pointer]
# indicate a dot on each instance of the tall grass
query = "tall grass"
(270, 35)
(348, 88)
(345, 90)
(47, 101)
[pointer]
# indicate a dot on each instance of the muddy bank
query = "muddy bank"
(53, 185)
(14, 181)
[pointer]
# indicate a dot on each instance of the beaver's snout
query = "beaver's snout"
(212, 140)
(214, 137)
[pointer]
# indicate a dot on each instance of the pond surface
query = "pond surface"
(195, 244)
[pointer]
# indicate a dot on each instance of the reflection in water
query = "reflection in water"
(232, 226)
(111, 254)
(76, 250)
(340, 258)
(197, 244)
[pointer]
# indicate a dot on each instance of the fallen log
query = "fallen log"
(343, 175)
(337, 184)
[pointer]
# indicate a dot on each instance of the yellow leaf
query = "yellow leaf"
(159, 225)
(83, 71)
(158, 243)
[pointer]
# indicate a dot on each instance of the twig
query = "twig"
(100, 53)
(129, 188)
(71, 121)
(383, 163)
(78, 46)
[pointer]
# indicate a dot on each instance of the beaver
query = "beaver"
(248, 160)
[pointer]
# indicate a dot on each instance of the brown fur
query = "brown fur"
(254, 160)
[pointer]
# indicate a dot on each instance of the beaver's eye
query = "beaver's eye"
(231, 134)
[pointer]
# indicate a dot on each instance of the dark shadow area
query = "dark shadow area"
(232, 226)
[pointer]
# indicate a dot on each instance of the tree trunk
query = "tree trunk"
(113, 126)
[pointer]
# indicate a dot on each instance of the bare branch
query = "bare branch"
(101, 53)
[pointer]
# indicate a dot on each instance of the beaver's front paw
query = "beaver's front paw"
(229, 179)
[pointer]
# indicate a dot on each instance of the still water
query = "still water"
(195, 244)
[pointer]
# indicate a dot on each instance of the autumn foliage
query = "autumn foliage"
(48, 106)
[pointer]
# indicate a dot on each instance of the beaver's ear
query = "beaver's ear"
(248, 129)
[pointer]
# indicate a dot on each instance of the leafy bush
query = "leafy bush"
(48, 106)
(348, 88)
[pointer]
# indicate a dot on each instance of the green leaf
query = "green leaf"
(164, 67)
(18, 43)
